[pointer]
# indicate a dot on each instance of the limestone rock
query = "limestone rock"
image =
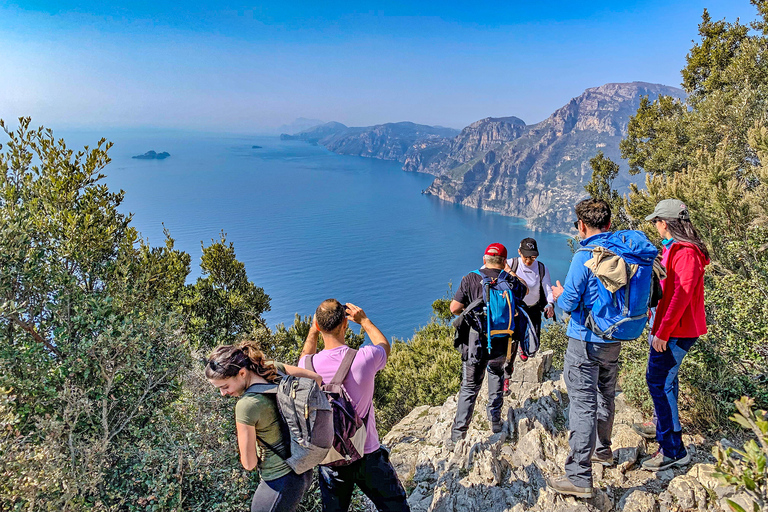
(688, 492)
(636, 500)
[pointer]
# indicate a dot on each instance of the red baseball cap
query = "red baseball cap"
(496, 250)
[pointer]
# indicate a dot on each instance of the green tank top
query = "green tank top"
(260, 411)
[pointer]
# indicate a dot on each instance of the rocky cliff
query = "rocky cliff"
(388, 141)
(536, 172)
(506, 471)
(440, 155)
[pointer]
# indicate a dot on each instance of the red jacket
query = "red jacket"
(680, 313)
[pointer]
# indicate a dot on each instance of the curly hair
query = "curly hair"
(595, 213)
(227, 360)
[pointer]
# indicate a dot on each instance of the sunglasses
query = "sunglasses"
(218, 367)
(576, 224)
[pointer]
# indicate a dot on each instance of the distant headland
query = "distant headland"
(151, 155)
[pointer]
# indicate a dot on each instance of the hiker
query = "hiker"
(595, 330)
(373, 473)
(539, 298)
(232, 370)
(475, 356)
(677, 324)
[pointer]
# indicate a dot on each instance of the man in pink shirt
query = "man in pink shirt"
(373, 473)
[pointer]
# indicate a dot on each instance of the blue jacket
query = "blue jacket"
(580, 292)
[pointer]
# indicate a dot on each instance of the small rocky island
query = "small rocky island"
(151, 155)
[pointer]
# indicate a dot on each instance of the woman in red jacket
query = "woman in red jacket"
(678, 323)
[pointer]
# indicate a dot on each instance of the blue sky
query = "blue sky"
(238, 67)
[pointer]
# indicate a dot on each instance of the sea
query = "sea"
(310, 224)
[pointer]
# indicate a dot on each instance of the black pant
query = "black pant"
(374, 475)
(472, 379)
(281, 494)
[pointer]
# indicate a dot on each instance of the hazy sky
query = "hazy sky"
(248, 67)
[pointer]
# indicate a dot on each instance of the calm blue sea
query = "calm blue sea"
(310, 224)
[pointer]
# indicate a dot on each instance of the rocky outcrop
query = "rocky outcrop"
(540, 172)
(152, 155)
(388, 141)
(440, 156)
(507, 471)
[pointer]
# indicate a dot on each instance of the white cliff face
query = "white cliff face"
(506, 471)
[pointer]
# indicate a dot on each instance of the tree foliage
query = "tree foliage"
(711, 152)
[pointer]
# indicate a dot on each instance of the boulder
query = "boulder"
(636, 500)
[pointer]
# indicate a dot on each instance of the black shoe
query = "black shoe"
(496, 426)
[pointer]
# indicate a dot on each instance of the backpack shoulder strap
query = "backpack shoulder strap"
(309, 364)
(344, 367)
(514, 264)
(542, 270)
(262, 389)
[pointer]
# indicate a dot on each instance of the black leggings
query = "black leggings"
(281, 494)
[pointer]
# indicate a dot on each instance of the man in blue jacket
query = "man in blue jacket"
(591, 363)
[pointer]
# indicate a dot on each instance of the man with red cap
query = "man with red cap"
(474, 367)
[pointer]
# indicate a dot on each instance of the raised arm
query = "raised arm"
(358, 316)
(302, 372)
(310, 344)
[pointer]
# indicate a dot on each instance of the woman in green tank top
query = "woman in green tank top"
(232, 370)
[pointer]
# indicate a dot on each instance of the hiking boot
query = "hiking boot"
(523, 357)
(562, 485)
(450, 444)
(660, 462)
(496, 426)
(647, 429)
(507, 391)
(605, 460)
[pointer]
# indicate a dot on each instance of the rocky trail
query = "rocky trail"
(506, 471)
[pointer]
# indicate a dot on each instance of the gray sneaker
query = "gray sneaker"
(660, 462)
(562, 485)
(647, 429)
(605, 460)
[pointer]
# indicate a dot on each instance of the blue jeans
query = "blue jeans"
(281, 494)
(663, 386)
(374, 475)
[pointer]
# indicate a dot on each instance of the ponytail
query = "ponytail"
(227, 360)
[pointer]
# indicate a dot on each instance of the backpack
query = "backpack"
(499, 307)
(542, 296)
(525, 333)
(349, 429)
(622, 315)
(306, 419)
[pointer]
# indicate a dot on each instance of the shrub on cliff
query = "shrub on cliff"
(712, 153)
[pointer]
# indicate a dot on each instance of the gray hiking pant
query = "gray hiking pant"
(589, 372)
(472, 378)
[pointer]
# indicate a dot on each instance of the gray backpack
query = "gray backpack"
(307, 419)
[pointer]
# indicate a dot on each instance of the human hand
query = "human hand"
(659, 345)
(557, 290)
(355, 314)
(549, 311)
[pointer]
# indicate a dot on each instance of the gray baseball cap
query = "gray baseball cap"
(670, 209)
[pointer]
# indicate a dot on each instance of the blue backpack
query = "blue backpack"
(499, 306)
(623, 314)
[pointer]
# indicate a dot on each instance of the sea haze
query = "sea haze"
(310, 224)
